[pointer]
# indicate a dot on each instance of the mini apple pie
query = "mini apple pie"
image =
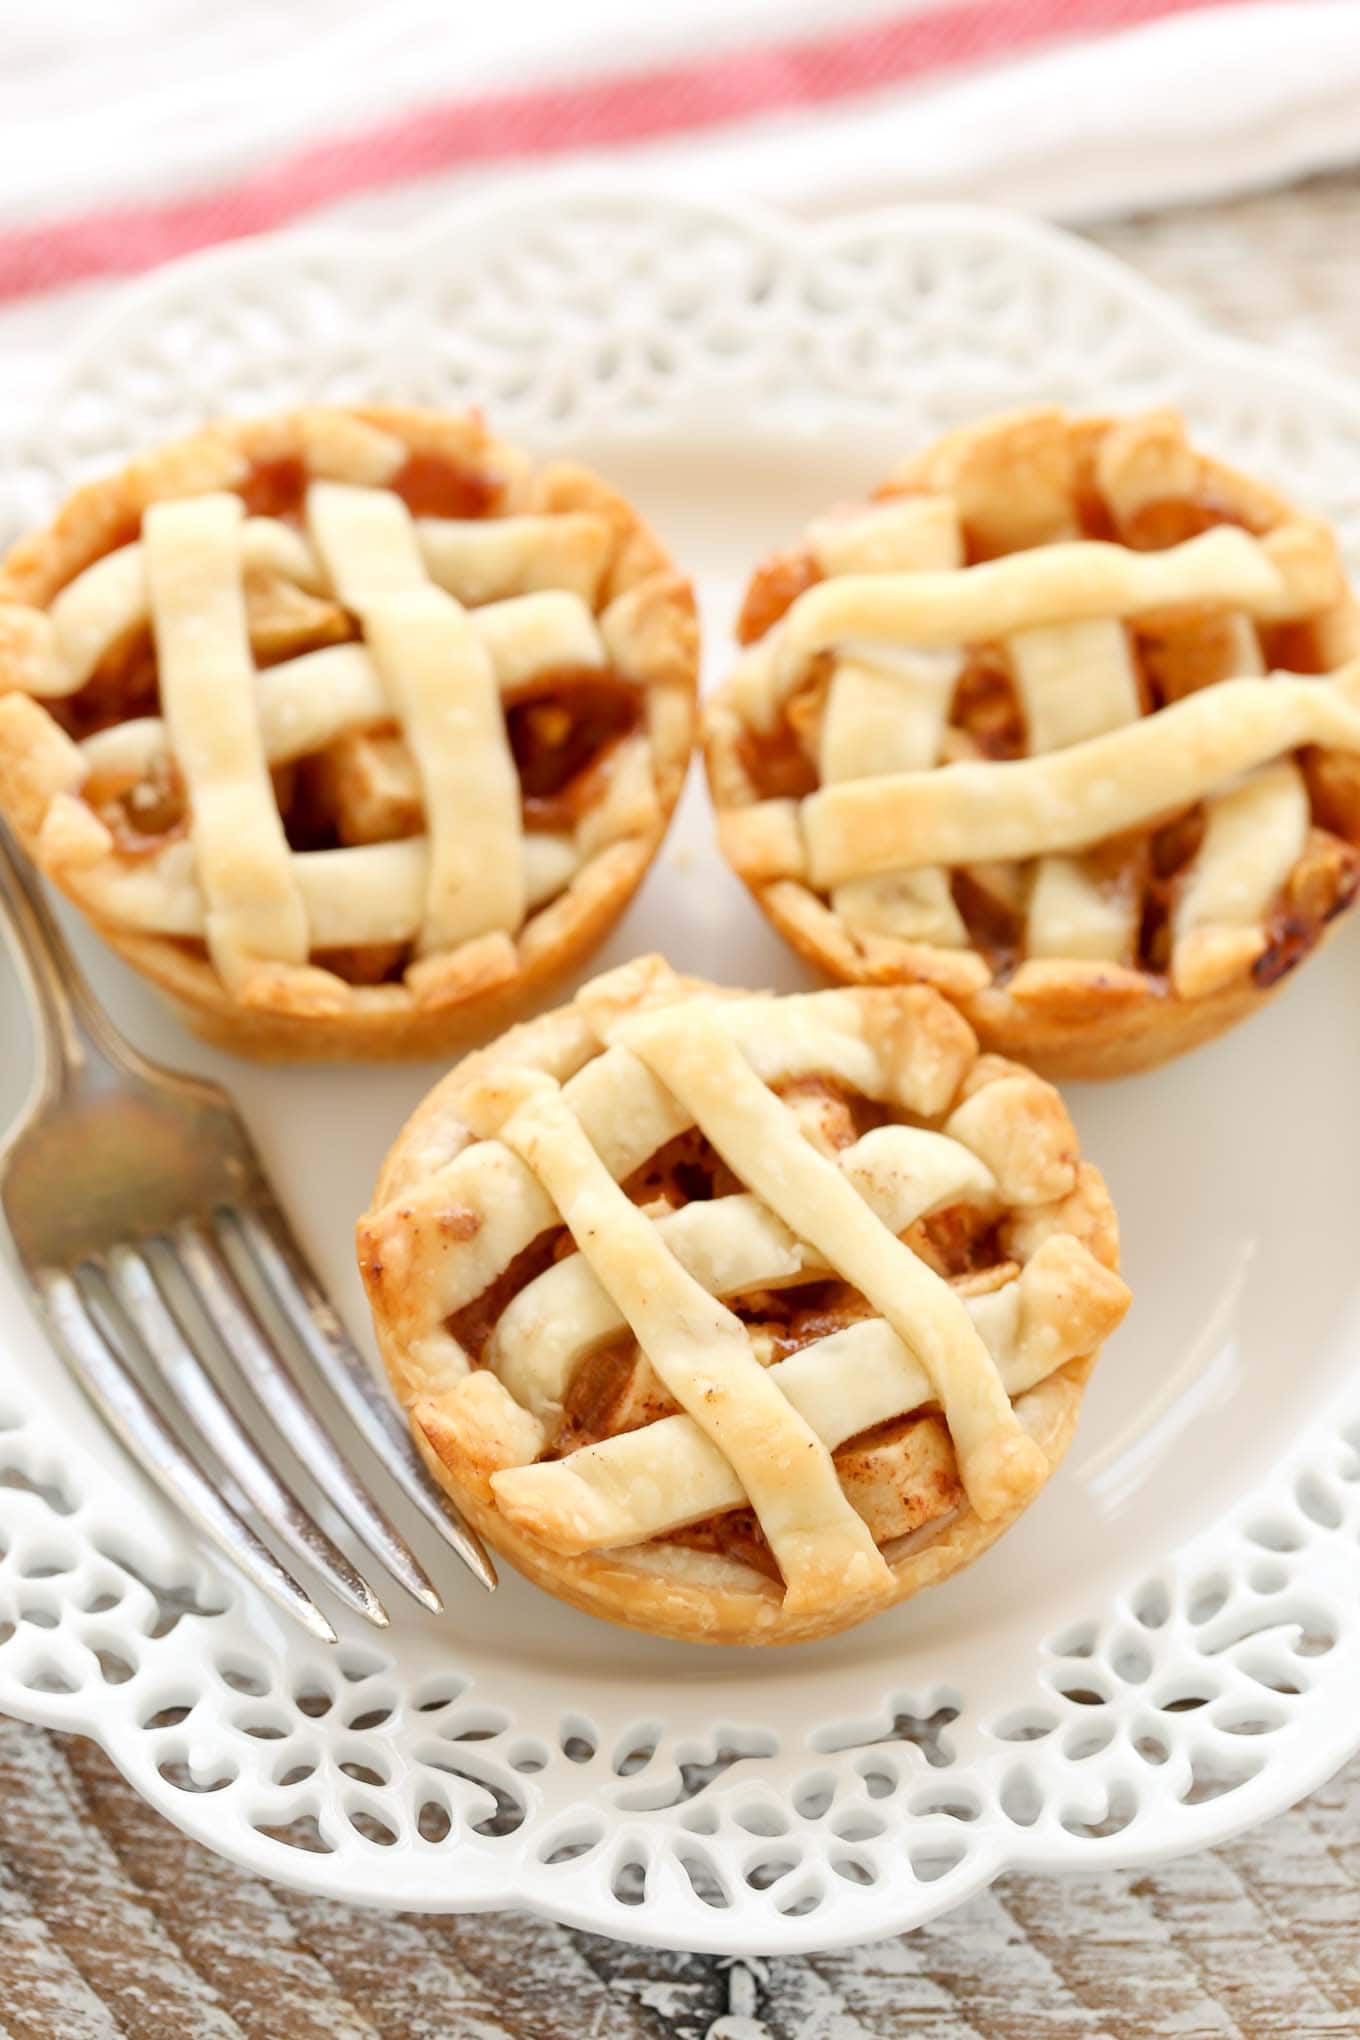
(352, 729)
(1065, 722)
(737, 1318)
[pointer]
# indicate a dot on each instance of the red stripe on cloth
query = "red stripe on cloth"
(606, 111)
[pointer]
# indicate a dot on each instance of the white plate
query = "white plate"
(1167, 1648)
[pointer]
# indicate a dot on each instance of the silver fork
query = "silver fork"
(133, 1196)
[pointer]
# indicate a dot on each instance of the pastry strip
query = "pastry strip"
(643, 1483)
(253, 910)
(729, 1245)
(886, 712)
(1072, 799)
(629, 1115)
(700, 1063)
(306, 703)
(480, 559)
(703, 1355)
(1075, 681)
(1254, 834)
(109, 600)
(1060, 583)
(487, 562)
(443, 687)
(369, 893)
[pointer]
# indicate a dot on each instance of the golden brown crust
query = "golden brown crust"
(408, 1029)
(686, 1594)
(609, 1585)
(1089, 1032)
(1020, 482)
(445, 1000)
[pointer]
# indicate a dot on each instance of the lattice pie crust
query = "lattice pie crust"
(1065, 722)
(353, 729)
(738, 1318)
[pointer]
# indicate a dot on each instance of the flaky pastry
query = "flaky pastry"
(1065, 722)
(352, 729)
(738, 1318)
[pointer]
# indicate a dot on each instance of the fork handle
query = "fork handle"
(59, 995)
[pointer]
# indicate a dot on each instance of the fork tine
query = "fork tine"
(151, 1314)
(280, 1259)
(135, 1420)
(274, 1384)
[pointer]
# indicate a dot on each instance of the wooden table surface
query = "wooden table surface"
(112, 1923)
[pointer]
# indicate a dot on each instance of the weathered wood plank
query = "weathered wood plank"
(1304, 1872)
(231, 1930)
(395, 1970)
(42, 1993)
(973, 1972)
(1110, 1952)
(1237, 1951)
(841, 1996)
(58, 1855)
(686, 1992)
(540, 1982)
